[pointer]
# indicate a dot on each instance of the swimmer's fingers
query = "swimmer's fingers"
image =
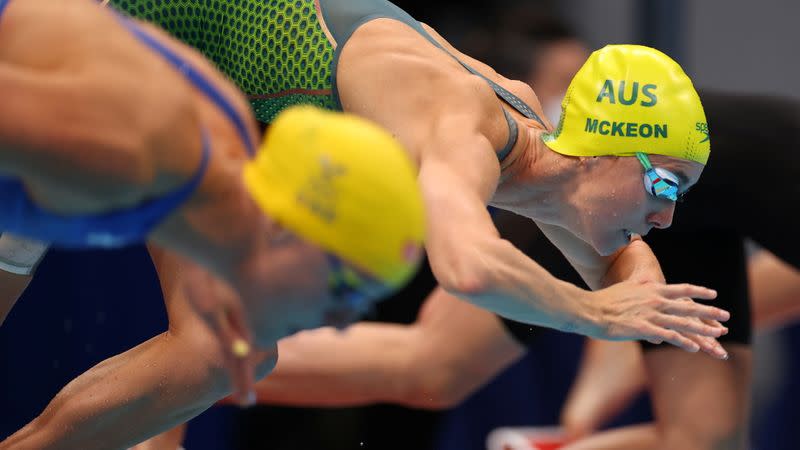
(699, 322)
(221, 309)
(689, 325)
(238, 350)
(199, 288)
(710, 346)
(687, 308)
(701, 332)
(657, 335)
(687, 290)
(705, 344)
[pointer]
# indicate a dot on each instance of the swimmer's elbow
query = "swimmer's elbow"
(465, 282)
(436, 396)
(433, 381)
(475, 270)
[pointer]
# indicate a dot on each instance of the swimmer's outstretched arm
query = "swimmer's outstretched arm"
(125, 399)
(418, 365)
(471, 261)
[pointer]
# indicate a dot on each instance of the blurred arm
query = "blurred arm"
(450, 351)
(137, 394)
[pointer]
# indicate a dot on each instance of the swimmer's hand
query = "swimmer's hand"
(657, 312)
(221, 309)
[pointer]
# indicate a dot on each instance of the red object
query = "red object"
(526, 438)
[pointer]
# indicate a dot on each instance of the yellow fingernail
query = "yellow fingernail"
(240, 348)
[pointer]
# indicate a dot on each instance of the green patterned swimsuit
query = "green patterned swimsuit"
(284, 52)
(275, 51)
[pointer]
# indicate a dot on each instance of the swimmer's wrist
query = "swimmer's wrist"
(581, 315)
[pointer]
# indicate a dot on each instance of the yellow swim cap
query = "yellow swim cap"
(344, 184)
(628, 99)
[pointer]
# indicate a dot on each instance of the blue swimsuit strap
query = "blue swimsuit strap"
(149, 213)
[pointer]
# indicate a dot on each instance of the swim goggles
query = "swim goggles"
(660, 183)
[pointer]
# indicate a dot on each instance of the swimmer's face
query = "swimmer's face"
(615, 202)
(352, 290)
(301, 293)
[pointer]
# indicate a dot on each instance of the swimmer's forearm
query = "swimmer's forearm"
(416, 365)
(366, 363)
(472, 262)
(504, 280)
(126, 399)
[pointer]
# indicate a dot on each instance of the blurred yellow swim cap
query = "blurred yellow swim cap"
(344, 184)
(628, 99)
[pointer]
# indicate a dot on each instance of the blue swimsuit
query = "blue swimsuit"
(18, 214)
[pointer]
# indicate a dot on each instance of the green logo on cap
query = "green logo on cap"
(319, 193)
(703, 128)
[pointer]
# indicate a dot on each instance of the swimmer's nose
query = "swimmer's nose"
(663, 217)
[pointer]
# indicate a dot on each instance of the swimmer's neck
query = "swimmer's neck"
(538, 183)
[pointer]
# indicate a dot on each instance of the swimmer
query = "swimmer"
(479, 139)
(121, 134)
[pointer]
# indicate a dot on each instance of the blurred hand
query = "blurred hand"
(221, 309)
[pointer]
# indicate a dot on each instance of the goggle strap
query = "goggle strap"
(644, 160)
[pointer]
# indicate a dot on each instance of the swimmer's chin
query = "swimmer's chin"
(613, 244)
